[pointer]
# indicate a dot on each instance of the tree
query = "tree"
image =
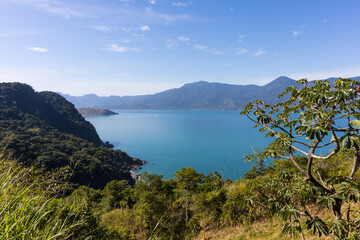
(187, 180)
(313, 117)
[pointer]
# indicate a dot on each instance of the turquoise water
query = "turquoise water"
(169, 140)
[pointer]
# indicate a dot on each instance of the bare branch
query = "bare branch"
(355, 165)
(325, 145)
(277, 135)
(282, 129)
(299, 150)
(306, 145)
(295, 163)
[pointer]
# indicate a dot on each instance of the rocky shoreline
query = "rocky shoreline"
(137, 163)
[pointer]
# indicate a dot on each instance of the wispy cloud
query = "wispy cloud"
(37, 49)
(259, 52)
(153, 15)
(241, 37)
(171, 43)
(179, 4)
(295, 33)
(121, 49)
(200, 47)
(183, 39)
(66, 9)
(103, 28)
(205, 48)
(241, 51)
(145, 28)
(153, 2)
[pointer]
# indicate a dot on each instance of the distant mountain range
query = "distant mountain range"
(197, 95)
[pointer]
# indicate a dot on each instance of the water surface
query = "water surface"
(169, 140)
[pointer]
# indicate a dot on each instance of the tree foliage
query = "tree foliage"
(315, 116)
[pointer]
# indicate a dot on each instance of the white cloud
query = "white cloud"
(145, 28)
(295, 33)
(205, 48)
(102, 28)
(241, 37)
(142, 28)
(259, 52)
(200, 47)
(37, 49)
(120, 49)
(125, 41)
(183, 39)
(170, 43)
(63, 9)
(153, 2)
(242, 51)
(152, 15)
(179, 4)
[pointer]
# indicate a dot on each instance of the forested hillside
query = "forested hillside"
(46, 131)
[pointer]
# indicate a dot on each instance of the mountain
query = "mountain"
(44, 130)
(198, 95)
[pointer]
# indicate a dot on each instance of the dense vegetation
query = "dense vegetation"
(178, 208)
(304, 196)
(46, 131)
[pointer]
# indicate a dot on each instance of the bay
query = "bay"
(208, 141)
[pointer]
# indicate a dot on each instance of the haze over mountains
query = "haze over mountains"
(197, 95)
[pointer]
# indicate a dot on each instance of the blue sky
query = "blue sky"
(131, 47)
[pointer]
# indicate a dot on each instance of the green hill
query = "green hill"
(46, 131)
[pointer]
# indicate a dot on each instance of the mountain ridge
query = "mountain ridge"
(200, 95)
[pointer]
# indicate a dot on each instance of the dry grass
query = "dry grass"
(269, 229)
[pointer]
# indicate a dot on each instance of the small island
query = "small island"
(95, 112)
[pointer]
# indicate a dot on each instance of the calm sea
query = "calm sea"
(208, 141)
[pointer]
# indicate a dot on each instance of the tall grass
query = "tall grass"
(27, 212)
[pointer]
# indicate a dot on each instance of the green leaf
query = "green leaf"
(318, 226)
(355, 123)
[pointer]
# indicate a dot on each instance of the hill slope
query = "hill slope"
(46, 131)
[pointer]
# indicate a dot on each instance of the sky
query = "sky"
(134, 47)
